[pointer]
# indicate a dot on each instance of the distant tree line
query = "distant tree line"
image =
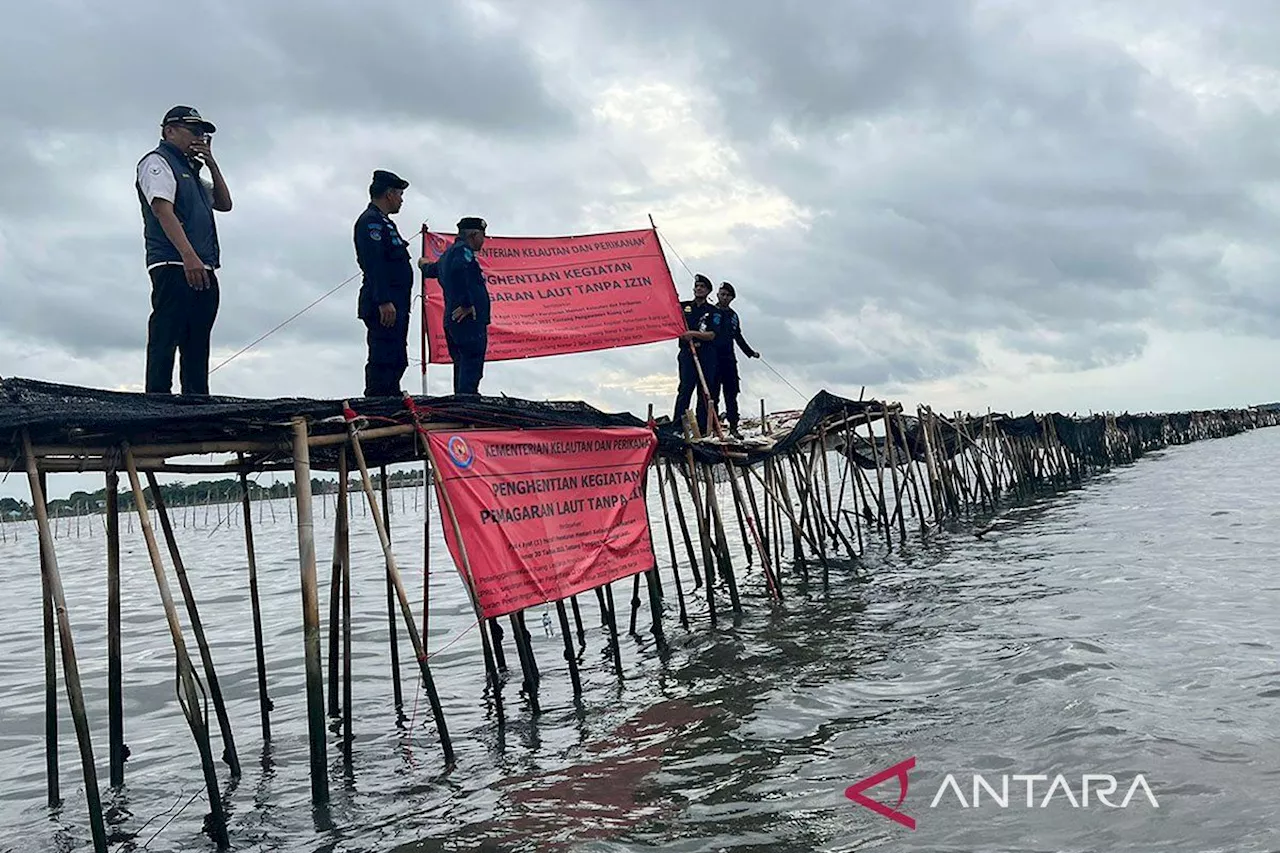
(184, 494)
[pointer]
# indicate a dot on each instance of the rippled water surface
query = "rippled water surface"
(1127, 627)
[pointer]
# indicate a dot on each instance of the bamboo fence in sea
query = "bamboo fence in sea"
(799, 496)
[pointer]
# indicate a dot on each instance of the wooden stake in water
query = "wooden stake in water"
(197, 628)
(70, 669)
(115, 675)
(50, 672)
(391, 607)
(428, 682)
(310, 615)
(264, 701)
(189, 695)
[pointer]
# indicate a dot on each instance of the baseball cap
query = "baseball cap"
(187, 115)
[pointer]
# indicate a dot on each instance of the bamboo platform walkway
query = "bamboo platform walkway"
(801, 492)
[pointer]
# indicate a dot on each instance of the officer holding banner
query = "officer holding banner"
(466, 305)
(703, 321)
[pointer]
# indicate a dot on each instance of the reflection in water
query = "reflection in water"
(1125, 627)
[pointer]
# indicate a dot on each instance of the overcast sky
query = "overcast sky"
(1036, 205)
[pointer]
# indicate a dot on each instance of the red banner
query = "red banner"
(554, 295)
(543, 513)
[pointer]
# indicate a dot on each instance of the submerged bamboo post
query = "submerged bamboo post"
(570, 659)
(391, 606)
(115, 665)
(702, 527)
(264, 700)
(197, 628)
(684, 526)
(671, 546)
(335, 613)
(722, 541)
(610, 614)
(446, 744)
(188, 694)
(310, 614)
(528, 668)
(343, 511)
(70, 669)
(50, 667)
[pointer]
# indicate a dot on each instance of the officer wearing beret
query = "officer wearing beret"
(727, 379)
(182, 250)
(466, 305)
(387, 287)
(703, 321)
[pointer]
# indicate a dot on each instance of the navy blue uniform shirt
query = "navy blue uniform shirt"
(463, 284)
(702, 318)
(732, 334)
(383, 257)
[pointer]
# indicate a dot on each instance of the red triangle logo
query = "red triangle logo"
(899, 770)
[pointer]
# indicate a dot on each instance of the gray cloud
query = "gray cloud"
(1060, 178)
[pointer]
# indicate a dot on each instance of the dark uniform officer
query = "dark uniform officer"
(727, 379)
(387, 288)
(703, 321)
(466, 305)
(183, 255)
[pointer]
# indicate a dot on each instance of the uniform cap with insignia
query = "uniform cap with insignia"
(384, 180)
(472, 223)
(189, 116)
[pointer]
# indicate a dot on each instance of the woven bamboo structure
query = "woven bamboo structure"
(802, 493)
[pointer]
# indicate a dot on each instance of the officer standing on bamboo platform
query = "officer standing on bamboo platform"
(466, 305)
(703, 321)
(727, 380)
(182, 249)
(387, 288)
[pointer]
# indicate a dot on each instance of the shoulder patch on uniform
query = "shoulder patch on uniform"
(375, 233)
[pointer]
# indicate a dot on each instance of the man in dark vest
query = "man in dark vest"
(387, 289)
(466, 305)
(727, 380)
(182, 249)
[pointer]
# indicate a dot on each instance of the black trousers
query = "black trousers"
(468, 343)
(181, 321)
(730, 384)
(689, 384)
(388, 352)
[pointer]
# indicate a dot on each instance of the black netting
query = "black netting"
(67, 415)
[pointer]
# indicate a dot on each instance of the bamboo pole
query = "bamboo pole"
(115, 667)
(570, 659)
(335, 612)
(671, 547)
(391, 605)
(197, 628)
(310, 614)
(188, 695)
(264, 700)
(722, 541)
(342, 510)
(70, 669)
(426, 547)
(50, 665)
(406, 611)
